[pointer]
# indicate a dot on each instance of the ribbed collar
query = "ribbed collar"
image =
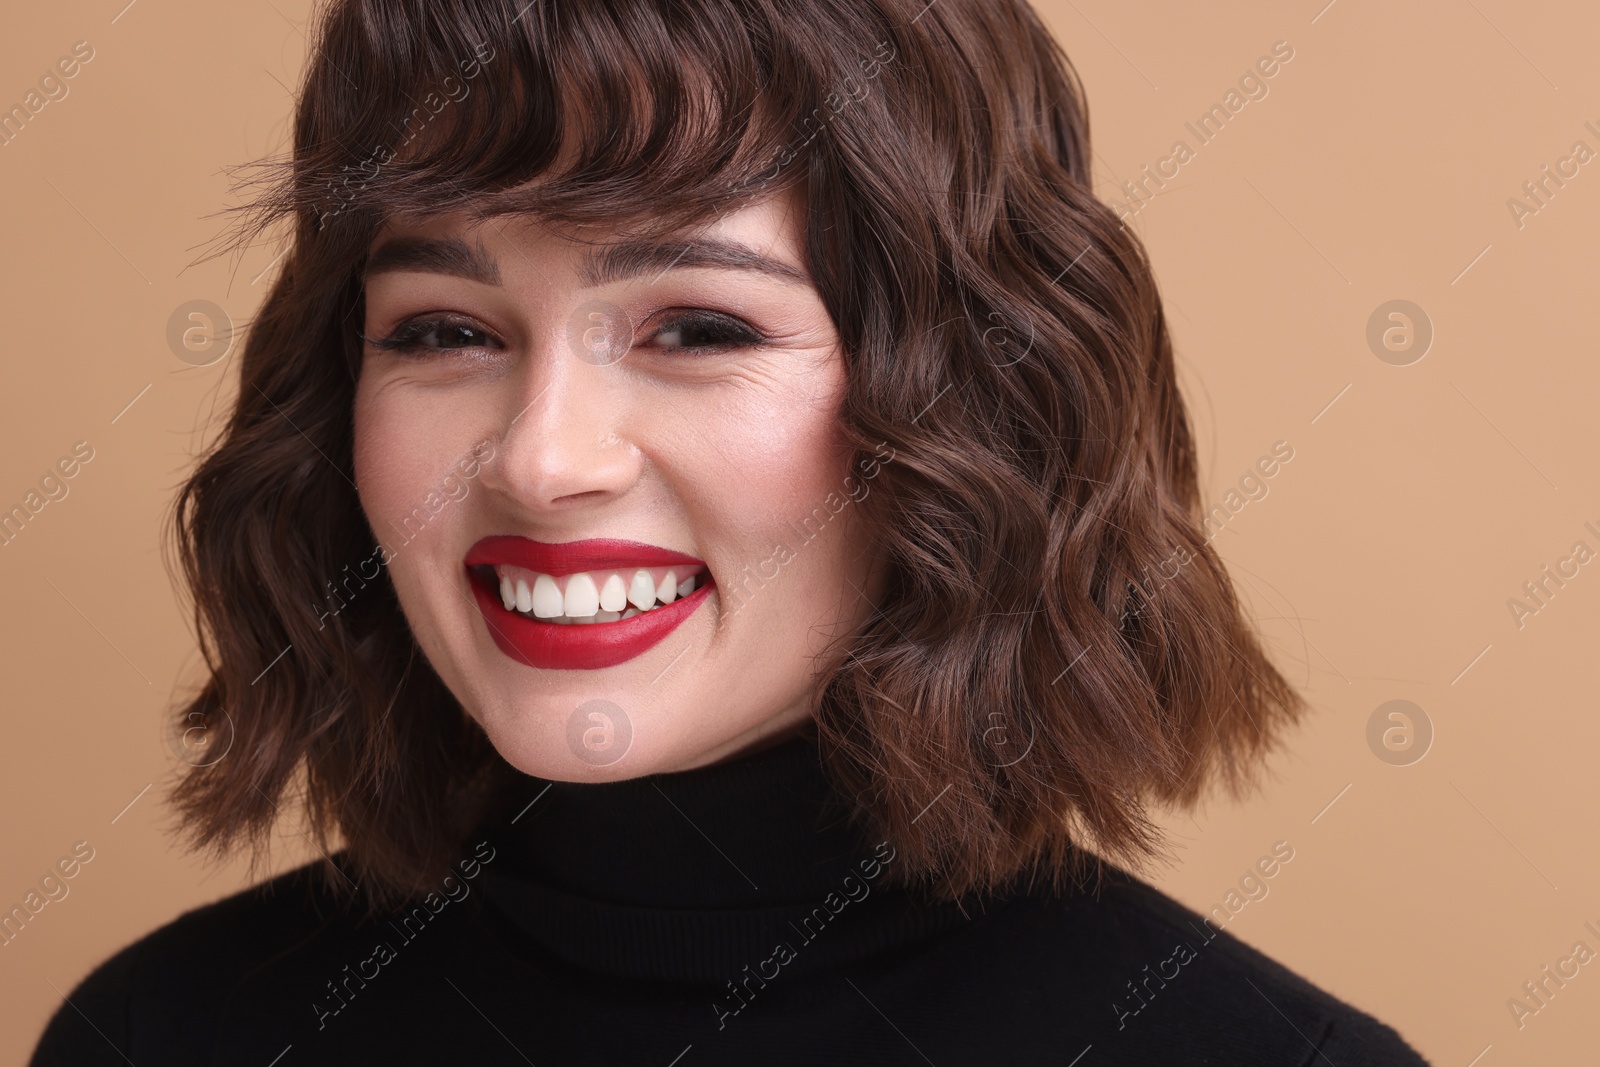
(690, 876)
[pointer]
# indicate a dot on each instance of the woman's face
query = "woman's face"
(618, 509)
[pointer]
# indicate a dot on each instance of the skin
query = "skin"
(717, 452)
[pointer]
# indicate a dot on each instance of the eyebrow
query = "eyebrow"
(630, 258)
(450, 256)
(610, 263)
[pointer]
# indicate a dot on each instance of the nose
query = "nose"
(566, 443)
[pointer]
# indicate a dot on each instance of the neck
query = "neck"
(690, 875)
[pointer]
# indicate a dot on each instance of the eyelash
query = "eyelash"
(408, 337)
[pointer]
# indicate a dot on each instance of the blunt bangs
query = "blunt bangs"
(656, 117)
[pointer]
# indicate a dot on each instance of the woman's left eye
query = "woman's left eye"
(704, 330)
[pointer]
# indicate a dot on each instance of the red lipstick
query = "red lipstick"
(548, 645)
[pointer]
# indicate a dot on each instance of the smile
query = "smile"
(590, 597)
(582, 605)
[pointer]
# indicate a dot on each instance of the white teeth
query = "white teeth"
(642, 591)
(582, 597)
(547, 600)
(596, 596)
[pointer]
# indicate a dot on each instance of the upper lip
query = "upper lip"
(569, 557)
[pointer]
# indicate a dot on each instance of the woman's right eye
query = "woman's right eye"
(438, 334)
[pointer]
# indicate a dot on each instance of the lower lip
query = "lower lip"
(587, 646)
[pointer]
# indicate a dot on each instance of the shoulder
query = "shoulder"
(166, 991)
(1151, 975)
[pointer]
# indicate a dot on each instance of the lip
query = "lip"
(550, 646)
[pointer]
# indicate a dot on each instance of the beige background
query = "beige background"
(1380, 564)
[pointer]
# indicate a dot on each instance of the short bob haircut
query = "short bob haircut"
(1059, 647)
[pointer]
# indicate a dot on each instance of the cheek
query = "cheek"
(797, 443)
(789, 454)
(781, 499)
(790, 468)
(405, 457)
(389, 462)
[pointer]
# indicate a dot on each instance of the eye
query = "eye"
(440, 333)
(704, 331)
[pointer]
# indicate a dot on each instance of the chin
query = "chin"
(596, 739)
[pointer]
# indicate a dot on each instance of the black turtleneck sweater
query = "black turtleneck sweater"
(723, 916)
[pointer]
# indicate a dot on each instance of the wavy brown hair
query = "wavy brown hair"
(1058, 647)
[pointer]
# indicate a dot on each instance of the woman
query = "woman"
(710, 528)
